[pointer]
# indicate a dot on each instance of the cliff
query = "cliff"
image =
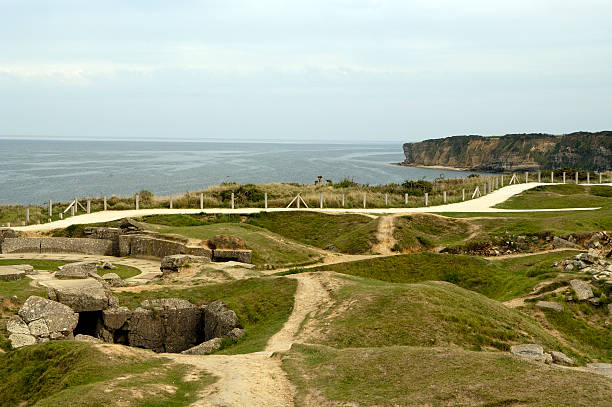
(514, 152)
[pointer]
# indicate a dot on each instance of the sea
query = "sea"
(34, 171)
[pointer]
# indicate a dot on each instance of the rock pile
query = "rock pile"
(536, 353)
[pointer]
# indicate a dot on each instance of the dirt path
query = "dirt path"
(257, 379)
(384, 235)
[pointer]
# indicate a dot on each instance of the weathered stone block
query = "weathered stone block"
(219, 320)
(582, 288)
(81, 295)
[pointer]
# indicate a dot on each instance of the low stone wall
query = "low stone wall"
(102, 247)
(148, 246)
(243, 256)
(103, 233)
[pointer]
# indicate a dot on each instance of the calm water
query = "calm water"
(31, 172)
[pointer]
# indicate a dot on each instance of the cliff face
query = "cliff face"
(515, 152)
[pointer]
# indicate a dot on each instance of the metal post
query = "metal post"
(343, 200)
(232, 200)
(426, 199)
(405, 199)
(266, 200)
(564, 178)
(201, 201)
(50, 208)
(170, 202)
(137, 202)
(105, 206)
(27, 215)
(463, 194)
(444, 196)
(364, 201)
(88, 206)
(386, 199)
(321, 201)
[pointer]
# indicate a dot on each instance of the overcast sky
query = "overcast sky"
(332, 70)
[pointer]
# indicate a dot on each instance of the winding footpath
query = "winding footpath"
(484, 204)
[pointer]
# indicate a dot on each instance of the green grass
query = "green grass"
(77, 374)
(37, 264)
(561, 196)
(497, 279)
(418, 232)
(121, 270)
(351, 234)
(190, 220)
(415, 376)
(262, 305)
(370, 313)
(267, 247)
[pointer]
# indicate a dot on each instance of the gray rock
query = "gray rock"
(16, 325)
(549, 305)
(146, 330)
(236, 333)
(108, 266)
(81, 295)
(39, 328)
(113, 280)
(115, 318)
(204, 348)
(587, 258)
(16, 272)
(579, 264)
(559, 243)
(569, 267)
(86, 338)
(175, 262)
(561, 358)
(594, 301)
(21, 340)
(219, 320)
(604, 369)
(77, 270)
(582, 288)
(548, 358)
(529, 351)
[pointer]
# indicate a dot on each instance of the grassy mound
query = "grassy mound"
(561, 196)
(351, 234)
(262, 305)
(369, 313)
(79, 374)
(415, 376)
(267, 247)
(498, 279)
(417, 232)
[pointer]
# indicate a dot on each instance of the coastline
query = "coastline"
(433, 167)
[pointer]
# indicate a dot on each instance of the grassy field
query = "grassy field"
(37, 264)
(261, 304)
(78, 374)
(268, 248)
(422, 232)
(370, 313)
(121, 270)
(561, 196)
(416, 376)
(497, 279)
(351, 234)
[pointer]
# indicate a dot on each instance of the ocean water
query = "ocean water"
(32, 171)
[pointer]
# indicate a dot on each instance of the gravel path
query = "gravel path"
(481, 204)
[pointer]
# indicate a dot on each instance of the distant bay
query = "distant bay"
(34, 171)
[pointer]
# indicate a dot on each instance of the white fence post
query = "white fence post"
(27, 215)
(502, 180)
(426, 199)
(564, 178)
(72, 210)
(266, 200)
(88, 206)
(588, 177)
(484, 188)
(405, 199)
(232, 200)
(552, 177)
(50, 208)
(364, 201)
(137, 202)
(526, 177)
(576, 177)
(105, 205)
(444, 196)
(343, 200)
(539, 177)
(600, 178)
(171, 202)
(386, 199)
(321, 201)
(201, 201)
(463, 194)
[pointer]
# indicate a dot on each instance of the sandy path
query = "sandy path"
(257, 379)
(384, 235)
(481, 204)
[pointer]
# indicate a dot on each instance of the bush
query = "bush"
(417, 187)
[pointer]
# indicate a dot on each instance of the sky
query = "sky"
(316, 70)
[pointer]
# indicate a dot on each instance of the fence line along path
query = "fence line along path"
(483, 204)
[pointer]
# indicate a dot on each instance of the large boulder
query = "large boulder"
(530, 351)
(561, 358)
(115, 318)
(583, 289)
(559, 243)
(113, 280)
(146, 330)
(219, 320)
(555, 306)
(41, 319)
(204, 348)
(174, 263)
(78, 270)
(82, 295)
